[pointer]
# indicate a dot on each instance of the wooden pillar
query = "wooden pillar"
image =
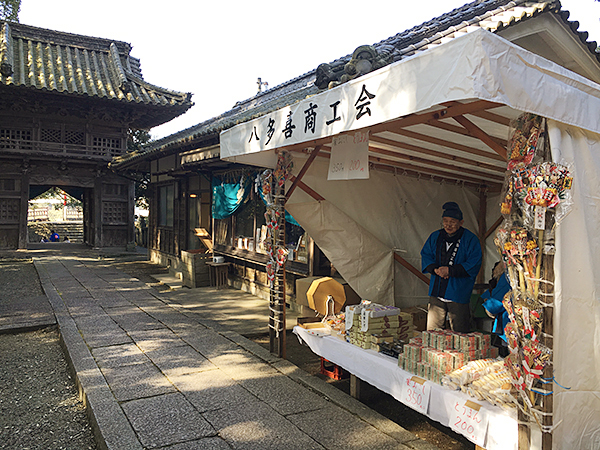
(277, 325)
(547, 405)
(97, 199)
(24, 203)
(131, 215)
(482, 231)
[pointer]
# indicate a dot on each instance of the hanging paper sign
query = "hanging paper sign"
(470, 420)
(415, 393)
(540, 218)
(349, 157)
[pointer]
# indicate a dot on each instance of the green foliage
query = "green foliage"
(9, 10)
(136, 139)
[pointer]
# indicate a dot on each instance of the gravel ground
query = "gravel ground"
(39, 404)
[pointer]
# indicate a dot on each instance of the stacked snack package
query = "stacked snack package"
(439, 352)
(484, 379)
(373, 326)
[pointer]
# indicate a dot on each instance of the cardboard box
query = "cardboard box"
(419, 316)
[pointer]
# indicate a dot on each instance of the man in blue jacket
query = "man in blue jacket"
(452, 256)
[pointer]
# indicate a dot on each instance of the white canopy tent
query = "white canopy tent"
(438, 124)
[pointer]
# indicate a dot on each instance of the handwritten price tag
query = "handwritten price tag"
(349, 158)
(415, 393)
(470, 420)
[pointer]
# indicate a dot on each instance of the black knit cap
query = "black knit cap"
(451, 209)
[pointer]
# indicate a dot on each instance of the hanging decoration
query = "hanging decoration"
(537, 196)
(271, 181)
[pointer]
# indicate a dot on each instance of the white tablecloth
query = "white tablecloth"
(383, 372)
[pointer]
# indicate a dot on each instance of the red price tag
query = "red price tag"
(470, 420)
(415, 393)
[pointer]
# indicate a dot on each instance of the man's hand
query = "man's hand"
(443, 272)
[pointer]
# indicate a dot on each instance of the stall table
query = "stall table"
(383, 372)
(218, 274)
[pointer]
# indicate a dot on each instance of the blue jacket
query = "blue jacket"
(463, 272)
(493, 304)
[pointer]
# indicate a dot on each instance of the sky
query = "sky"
(218, 49)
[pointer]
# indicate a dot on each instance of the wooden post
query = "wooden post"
(24, 204)
(355, 386)
(277, 326)
(547, 288)
(482, 231)
(97, 199)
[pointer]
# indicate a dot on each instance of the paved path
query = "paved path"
(169, 371)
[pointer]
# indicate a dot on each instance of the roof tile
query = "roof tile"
(68, 63)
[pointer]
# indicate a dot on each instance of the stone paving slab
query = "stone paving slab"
(166, 419)
(136, 381)
(337, 429)
(259, 427)
(210, 443)
(116, 356)
(213, 390)
(283, 394)
(164, 371)
(181, 360)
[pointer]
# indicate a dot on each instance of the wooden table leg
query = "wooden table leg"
(354, 386)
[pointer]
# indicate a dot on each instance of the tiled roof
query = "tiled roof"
(492, 15)
(66, 63)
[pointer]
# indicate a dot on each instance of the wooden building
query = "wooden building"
(66, 104)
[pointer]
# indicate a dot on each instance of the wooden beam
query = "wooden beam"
(441, 165)
(305, 167)
(449, 144)
(460, 130)
(481, 232)
(433, 178)
(443, 113)
(493, 227)
(421, 276)
(484, 114)
(482, 135)
(432, 171)
(413, 171)
(307, 189)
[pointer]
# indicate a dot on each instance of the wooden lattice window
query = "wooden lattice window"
(9, 210)
(106, 146)
(114, 212)
(74, 137)
(11, 138)
(48, 135)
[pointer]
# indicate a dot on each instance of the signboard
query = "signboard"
(415, 393)
(349, 157)
(470, 420)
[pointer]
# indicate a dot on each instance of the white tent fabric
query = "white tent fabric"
(577, 294)
(357, 255)
(387, 213)
(479, 65)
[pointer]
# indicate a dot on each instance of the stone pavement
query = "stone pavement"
(171, 371)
